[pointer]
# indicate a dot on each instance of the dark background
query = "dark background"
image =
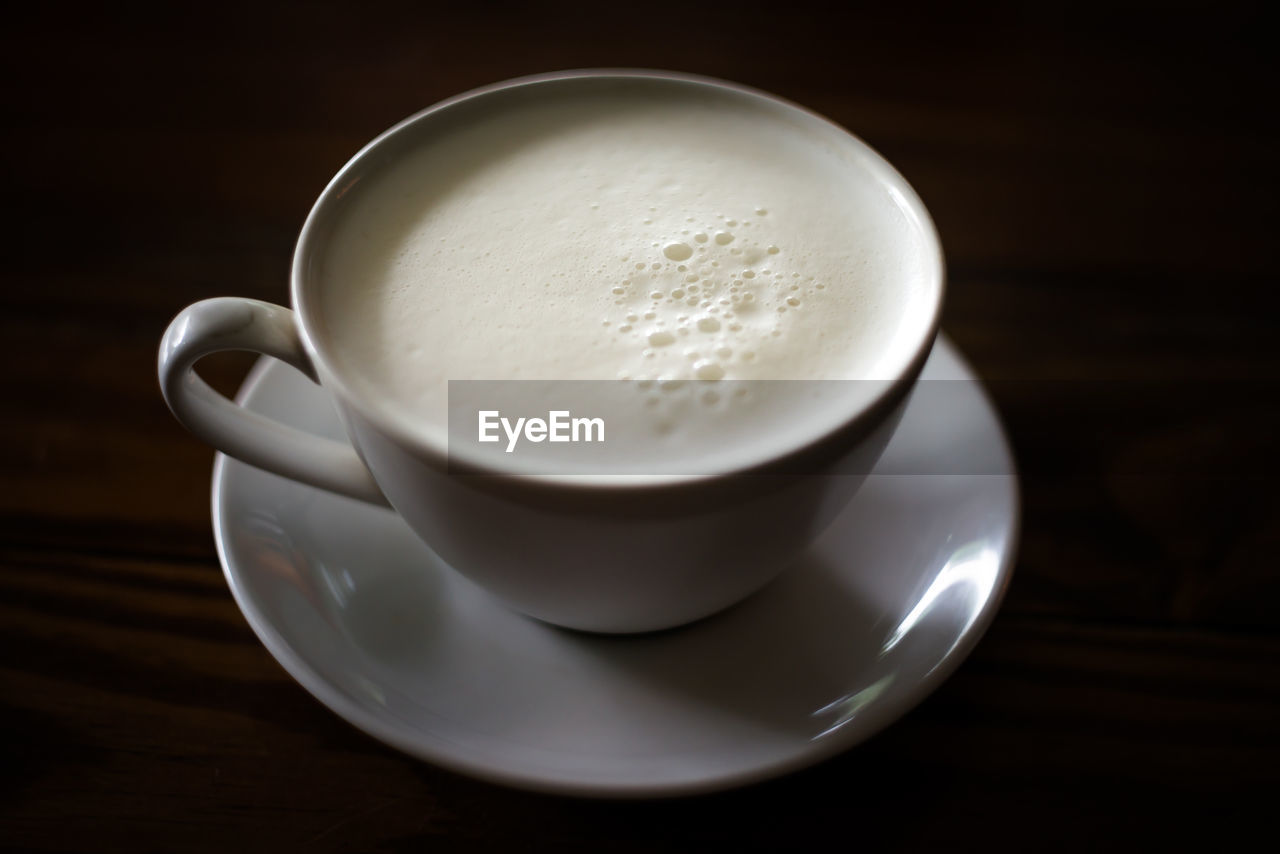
(1104, 179)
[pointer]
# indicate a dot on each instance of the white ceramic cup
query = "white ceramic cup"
(608, 557)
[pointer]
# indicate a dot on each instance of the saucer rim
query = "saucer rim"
(454, 757)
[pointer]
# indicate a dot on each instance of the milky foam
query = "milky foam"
(661, 240)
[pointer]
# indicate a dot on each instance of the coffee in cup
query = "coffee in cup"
(667, 237)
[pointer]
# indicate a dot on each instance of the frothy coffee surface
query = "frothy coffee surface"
(683, 240)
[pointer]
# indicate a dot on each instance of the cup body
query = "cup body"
(617, 561)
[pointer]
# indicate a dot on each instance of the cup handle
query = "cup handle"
(233, 323)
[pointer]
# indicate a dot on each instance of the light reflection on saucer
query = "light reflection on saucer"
(970, 573)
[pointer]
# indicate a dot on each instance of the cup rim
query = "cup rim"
(840, 435)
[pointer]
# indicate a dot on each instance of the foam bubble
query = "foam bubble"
(708, 370)
(678, 251)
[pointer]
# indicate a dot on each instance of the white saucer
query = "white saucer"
(878, 612)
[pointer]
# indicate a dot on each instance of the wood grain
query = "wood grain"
(1104, 178)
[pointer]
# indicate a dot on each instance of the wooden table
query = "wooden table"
(1105, 182)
